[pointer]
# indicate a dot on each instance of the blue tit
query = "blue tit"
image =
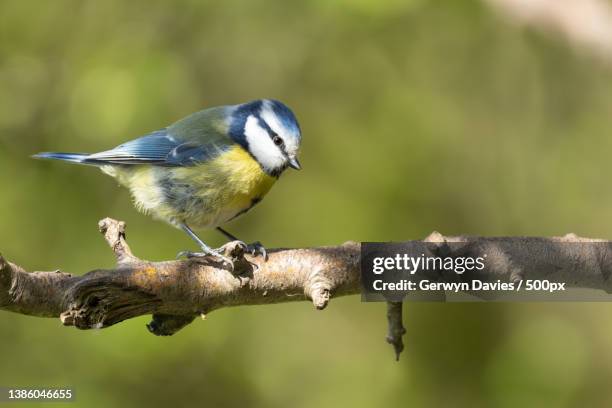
(205, 169)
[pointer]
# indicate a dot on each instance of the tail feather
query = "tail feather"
(69, 157)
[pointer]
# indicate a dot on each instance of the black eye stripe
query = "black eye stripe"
(265, 126)
(273, 135)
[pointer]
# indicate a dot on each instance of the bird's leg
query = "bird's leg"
(256, 248)
(206, 250)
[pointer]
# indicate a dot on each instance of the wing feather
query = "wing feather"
(162, 149)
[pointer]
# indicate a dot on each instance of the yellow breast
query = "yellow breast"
(203, 196)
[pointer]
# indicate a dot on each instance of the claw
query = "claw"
(214, 254)
(253, 249)
(183, 254)
(256, 248)
(228, 253)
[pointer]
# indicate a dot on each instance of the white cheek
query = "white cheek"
(261, 146)
(291, 143)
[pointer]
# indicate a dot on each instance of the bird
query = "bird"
(205, 169)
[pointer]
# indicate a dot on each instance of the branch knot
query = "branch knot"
(318, 287)
(114, 234)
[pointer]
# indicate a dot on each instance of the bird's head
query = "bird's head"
(269, 131)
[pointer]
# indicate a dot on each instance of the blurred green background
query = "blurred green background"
(417, 115)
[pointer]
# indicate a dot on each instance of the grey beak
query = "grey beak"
(294, 163)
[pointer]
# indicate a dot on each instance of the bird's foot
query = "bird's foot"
(229, 253)
(213, 253)
(237, 248)
(255, 249)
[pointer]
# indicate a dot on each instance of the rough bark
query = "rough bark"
(175, 292)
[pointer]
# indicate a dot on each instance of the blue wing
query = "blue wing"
(159, 148)
(197, 138)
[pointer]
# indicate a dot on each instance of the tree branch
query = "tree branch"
(175, 292)
(396, 327)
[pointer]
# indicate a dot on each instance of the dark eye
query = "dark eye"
(277, 140)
